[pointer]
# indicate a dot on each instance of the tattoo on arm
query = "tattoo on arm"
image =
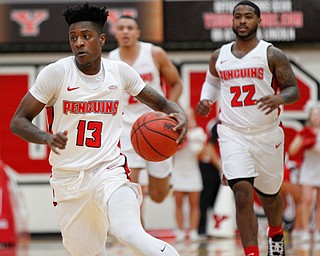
(213, 61)
(152, 98)
(289, 95)
(281, 69)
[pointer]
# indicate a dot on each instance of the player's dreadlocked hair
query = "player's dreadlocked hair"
(86, 12)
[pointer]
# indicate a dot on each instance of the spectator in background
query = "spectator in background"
(308, 140)
(186, 178)
(152, 63)
(210, 167)
(291, 195)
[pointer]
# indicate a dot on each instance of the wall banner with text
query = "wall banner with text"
(173, 24)
(205, 22)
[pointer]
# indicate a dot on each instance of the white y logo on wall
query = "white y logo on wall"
(29, 20)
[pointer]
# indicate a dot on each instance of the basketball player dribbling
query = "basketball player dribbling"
(92, 190)
(250, 138)
(152, 63)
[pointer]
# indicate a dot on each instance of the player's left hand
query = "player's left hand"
(269, 103)
(57, 141)
(203, 107)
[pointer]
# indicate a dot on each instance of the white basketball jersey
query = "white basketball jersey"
(148, 71)
(243, 81)
(92, 116)
(133, 108)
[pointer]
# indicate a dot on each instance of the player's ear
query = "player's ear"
(259, 21)
(102, 39)
(138, 33)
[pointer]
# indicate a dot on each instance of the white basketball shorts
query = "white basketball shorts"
(255, 154)
(82, 205)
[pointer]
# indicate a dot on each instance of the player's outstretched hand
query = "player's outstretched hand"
(203, 107)
(269, 103)
(58, 140)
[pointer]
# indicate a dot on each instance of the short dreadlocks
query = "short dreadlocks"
(86, 12)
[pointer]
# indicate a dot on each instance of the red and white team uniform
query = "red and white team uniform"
(132, 108)
(87, 120)
(89, 108)
(243, 81)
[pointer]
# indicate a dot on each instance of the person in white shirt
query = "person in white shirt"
(307, 140)
(90, 176)
(187, 180)
(251, 139)
(153, 65)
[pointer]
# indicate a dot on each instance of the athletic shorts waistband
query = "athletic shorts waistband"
(255, 130)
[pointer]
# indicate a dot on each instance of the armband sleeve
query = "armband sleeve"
(210, 88)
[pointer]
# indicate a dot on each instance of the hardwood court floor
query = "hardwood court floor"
(52, 246)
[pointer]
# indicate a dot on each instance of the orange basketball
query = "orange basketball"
(152, 136)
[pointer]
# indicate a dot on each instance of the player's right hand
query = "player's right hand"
(182, 127)
(57, 141)
(203, 107)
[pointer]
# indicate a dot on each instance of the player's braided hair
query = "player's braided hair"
(86, 12)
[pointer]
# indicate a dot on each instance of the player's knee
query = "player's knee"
(243, 192)
(124, 236)
(128, 234)
(158, 196)
(243, 199)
